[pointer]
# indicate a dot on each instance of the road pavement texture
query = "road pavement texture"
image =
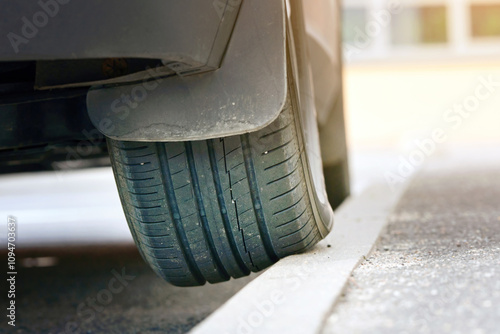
(437, 268)
(104, 290)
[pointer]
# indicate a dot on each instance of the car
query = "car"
(223, 120)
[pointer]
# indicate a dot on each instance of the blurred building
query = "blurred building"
(420, 29)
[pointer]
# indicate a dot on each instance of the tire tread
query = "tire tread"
(215, 209)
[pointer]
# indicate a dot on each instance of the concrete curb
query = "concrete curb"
(296, 294)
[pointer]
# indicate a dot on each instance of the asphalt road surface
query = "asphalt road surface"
(105, 290)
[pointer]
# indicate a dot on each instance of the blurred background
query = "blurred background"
(406, 64)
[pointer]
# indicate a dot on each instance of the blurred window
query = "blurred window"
(485, 20)
(420, 25)
(353, 19)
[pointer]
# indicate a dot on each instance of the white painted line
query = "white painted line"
(296, 294)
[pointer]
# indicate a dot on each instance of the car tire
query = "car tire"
(210, 210)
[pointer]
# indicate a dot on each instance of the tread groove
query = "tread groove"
(201, 212)
(223, 210)
(286, 192)
(128, 149)
(301, 240)
(142, 194)
(294, 219)
(131, 179)
(255, 195)
(285, 176)
(145, 207)
(277, 148)
(134, 165)
(296, 231)
(234, 200)
(176, 156)
(281, 162)
(308, 244)
(154, 236)
(276, 131)
(290, 207)
(176, 218)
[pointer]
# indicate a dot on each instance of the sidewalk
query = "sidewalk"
(437, 268)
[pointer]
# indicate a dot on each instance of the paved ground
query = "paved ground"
(74, 291)
(437, 267)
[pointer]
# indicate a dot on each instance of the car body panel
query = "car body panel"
(245, 94)
(322, 24)
(191, 33)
